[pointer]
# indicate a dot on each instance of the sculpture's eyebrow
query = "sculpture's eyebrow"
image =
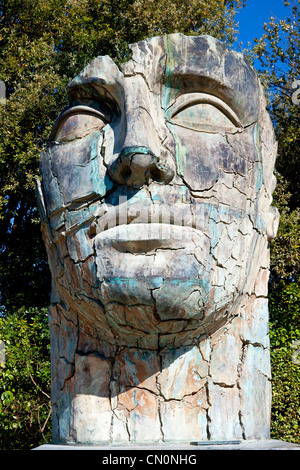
(194, 79)
(101, 79)
(98, 89)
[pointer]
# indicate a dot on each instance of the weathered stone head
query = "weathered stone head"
(156, 207)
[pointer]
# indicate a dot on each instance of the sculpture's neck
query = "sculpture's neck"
(218, 390)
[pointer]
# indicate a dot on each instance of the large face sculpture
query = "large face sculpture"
(156, 192)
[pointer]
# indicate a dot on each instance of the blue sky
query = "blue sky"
(255, 14)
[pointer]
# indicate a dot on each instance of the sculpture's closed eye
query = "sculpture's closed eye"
(203, 112)
(77, 122)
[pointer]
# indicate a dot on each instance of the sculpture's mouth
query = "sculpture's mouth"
(147, 216)
(146, 237)
(144, 217)
(142, 228)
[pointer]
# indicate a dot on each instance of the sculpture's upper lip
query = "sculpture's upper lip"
(107, 216)
(139, 213)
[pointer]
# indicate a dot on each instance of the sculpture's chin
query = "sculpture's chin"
(169, 273)
(168, 312)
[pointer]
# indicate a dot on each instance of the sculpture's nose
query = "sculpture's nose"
(138, 156)
(136, 166)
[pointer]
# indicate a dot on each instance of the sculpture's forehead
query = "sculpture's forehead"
(184, 64)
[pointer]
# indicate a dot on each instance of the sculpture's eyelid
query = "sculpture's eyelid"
(189, 99)
(106, 117)
(88, 109)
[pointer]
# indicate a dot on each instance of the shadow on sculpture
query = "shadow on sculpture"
(155, 203)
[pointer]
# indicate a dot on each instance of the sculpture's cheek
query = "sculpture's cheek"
(205, 161)
(75, 172)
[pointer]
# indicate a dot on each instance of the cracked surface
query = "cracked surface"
(218, 390)
(156, 214)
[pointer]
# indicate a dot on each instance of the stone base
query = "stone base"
(271, 444)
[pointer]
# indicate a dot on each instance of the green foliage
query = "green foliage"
(285, 260)
(284, 333)
(278, 52)
(25, 380)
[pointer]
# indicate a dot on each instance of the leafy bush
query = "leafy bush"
(284, 336)
(25, 412)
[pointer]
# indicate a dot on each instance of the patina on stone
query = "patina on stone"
(156, 213)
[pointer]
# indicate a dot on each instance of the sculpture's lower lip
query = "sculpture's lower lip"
(138, 238)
